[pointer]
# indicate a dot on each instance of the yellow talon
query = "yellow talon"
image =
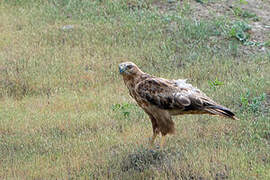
(153, 139)
(162, 141)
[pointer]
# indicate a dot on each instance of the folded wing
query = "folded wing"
(178, 97)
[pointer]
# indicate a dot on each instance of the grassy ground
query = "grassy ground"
(65, 112)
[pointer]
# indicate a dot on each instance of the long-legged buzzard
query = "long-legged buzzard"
(161, 98)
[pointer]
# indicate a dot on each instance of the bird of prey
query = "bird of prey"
(162, 98)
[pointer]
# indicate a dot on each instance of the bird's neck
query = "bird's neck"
(132, 80)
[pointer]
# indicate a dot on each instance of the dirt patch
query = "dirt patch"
(147, 158)
(259, 21)
(160, 160)
(169, 161)
(165, 6)
(256, 13)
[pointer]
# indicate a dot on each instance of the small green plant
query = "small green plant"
(267, 43)
(124, 109)
(252, 104)
(215, 83)
(252, 43)
(239, 31)
(243, 2)
(199, 1)
(243, 13)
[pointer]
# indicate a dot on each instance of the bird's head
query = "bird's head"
(128, 68)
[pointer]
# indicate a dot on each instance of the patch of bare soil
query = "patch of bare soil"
(164, 160)
(260, 27)
(145, 158)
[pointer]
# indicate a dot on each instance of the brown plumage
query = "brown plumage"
(161, 98)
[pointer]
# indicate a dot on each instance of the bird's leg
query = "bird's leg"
(155, 134)
(155, 129)
(162, 141)
(153, 138)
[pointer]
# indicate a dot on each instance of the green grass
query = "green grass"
(244, 13)
(65, 112)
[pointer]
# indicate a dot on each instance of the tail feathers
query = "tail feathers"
(219, 110)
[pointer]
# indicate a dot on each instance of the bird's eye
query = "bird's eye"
(129, 66)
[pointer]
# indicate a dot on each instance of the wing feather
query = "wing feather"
(179, 97)
(169, 94)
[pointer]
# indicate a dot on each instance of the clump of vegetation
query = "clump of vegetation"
(124, 109)
(267, 43)
(252, 104)
(239, 30)
(214, 84)
(242, 2)
(147, 158)
(244, 13)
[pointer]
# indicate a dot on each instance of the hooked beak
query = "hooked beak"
(121, 69)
